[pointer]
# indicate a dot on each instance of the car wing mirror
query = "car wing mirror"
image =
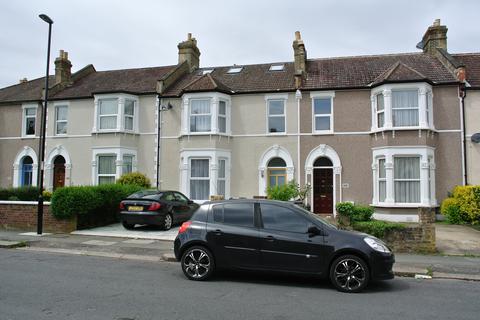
(190, 202)
(314, 231)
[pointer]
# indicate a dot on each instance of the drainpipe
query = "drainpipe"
(463, 95)
(159, 122)
(298, 96)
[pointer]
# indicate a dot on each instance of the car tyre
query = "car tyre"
(128, 226)
(167, 222)
(198, 263)
(349, 273)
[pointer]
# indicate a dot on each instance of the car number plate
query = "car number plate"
(135, 208)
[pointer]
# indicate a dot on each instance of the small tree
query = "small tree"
(135, 178)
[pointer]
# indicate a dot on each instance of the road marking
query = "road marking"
(99, 243)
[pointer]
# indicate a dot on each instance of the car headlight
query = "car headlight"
(376, 245)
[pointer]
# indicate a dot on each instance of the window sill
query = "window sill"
(402, 205)
(322, 133)
(114, 131)
(208, 133)
(29, 137)
(276, 134)
(375, 130)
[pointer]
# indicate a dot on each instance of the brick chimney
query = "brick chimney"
(300, 58)
(63, 68)
(435, 37)
(188, 51)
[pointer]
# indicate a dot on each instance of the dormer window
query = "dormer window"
(235, 70)
(277, 67)
(206, 113)
(116, 113)
(402, 106)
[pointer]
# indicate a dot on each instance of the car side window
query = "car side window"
(217, 213)
(282, 219)
(238, 214)
(180, 197)
(169, 197)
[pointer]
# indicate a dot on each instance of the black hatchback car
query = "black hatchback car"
(154, 207)
(278, 236)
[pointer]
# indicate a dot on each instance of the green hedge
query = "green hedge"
(377, 228)
(92, 205)
(354, 212)
(135, 178)
(22, 194)
(463, 205)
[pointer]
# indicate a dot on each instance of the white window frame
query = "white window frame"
(419, 180)
(120, 115)
(24, 119)
(119, 152)
(124, 163)
(381, 179)
(276, 97)
(127, 116)
(427, 188)
(425, 117)
(215, 98)
(58, 105)
(223, 116)
(213, 155)
(322, 95)
(190, 178)
(378, 112)
(191, 115)
(224, 179)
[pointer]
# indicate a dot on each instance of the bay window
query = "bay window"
(116, 113)
(404, 176)
(402, 106)
(205, 113)
(109, 164)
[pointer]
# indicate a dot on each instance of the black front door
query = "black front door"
(232, 231)
(285, 243)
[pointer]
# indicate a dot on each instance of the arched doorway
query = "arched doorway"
(58, 172)
(26, 177)
(323, 186)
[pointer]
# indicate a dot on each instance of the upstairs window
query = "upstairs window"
(107, 114)
(29, 120)
(61, 119)
(405, 108)
(380, 110)
(322, 111)
(116, 112)
(276, 115)
(200, 115)
(222, 116)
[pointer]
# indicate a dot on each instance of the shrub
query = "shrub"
(451, 210)
(352, 213)
(463, 206)
(92, 205)
(135, 178)
(19, 194)
(284, 192)
(377, 228)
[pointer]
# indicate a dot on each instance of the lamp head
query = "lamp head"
(46, 18)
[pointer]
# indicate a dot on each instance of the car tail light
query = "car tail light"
(184, 227)
(154, 206)
(121, 206)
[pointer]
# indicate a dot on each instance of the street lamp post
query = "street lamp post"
(41, 147)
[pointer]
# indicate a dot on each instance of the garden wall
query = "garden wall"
(22, 215)
(416, 237)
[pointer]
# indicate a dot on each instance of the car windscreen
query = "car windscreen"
(317, 217)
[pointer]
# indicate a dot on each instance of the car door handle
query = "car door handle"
(218, 232)
(270, 238)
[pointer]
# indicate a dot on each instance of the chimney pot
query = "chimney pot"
(189, 36)
(24, 80)
(436, 23)
(298, 36)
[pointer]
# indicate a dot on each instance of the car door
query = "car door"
(284, 241)
(233, 236)
(169, 199)
(183, 208)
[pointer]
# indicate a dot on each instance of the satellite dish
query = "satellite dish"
(476, 137)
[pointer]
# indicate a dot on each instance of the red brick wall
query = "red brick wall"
(23, 216)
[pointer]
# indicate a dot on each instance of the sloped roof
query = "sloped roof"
(472, 65)
(206, 83)
(27, 91)
(399, 72)
(136, 81)
(361, 71)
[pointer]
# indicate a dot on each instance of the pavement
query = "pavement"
(457, 239)
(132, 246)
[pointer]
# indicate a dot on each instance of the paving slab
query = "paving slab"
(98, 243)
(140, 232)
(457, 239)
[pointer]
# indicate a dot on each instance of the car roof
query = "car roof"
(278, 202)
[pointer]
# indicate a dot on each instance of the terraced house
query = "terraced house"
(385, 130)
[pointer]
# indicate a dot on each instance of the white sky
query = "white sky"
(116, 34)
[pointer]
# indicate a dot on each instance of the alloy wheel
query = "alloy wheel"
(168, 222)
(196, 263)
(349, 274)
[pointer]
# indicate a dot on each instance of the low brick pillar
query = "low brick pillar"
(426, 215)
(22, 215)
